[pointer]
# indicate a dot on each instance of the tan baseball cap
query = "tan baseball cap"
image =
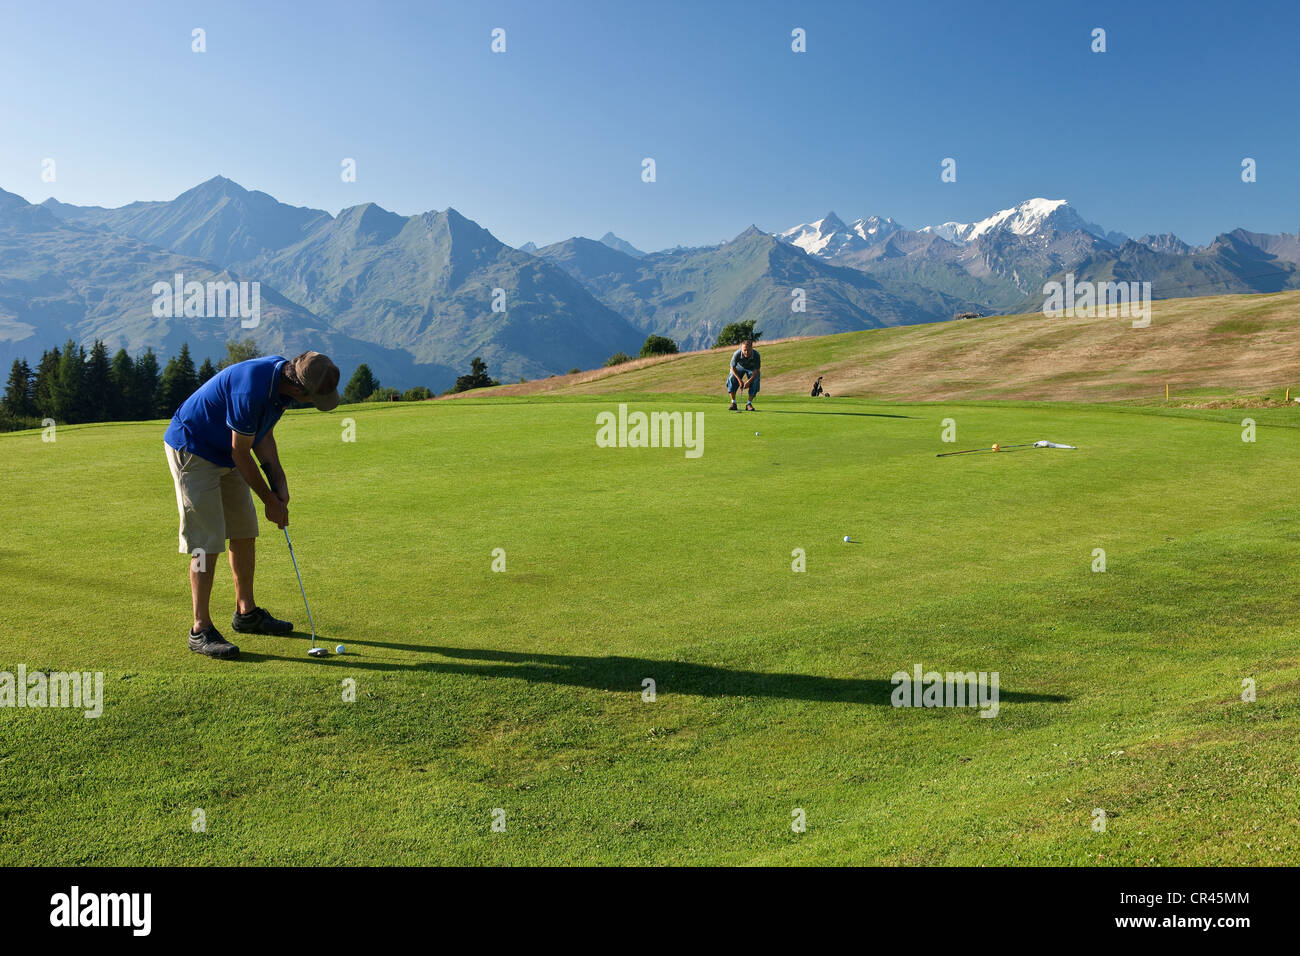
(318, 377)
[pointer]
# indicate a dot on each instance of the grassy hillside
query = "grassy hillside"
(1200, 347)
(522, 690)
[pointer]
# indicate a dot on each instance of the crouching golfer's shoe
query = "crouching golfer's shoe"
(258, 621)
(210, 643)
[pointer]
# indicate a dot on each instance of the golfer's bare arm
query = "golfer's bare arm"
(241, 449)
(269, 455)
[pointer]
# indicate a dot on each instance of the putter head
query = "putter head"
(317, 652)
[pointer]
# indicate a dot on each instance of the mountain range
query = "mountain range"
(412, 297)
(416, 297)
(1000, 264)
(689, 294)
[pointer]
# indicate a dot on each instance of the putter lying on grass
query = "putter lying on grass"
(312, 651)
(995, 448)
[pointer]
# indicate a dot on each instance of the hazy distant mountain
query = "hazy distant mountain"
(218, 220)
(598, 266)
(427, 284)
(689, 295)
(10, 201)
(608, 239)
(1283, 247)
(417, 297)
(420, 285)
(622, 245)
(1235, 262)
(1026, 259)
(1166, 242)
(989, 265)
(61, 280)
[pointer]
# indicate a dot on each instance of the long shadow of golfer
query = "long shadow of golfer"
(253, 657)
(625, 674)
(411, 648)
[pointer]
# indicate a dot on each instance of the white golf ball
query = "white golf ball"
(340, 649)
(755, 434)
(846, 539)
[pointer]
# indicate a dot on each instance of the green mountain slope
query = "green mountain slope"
(427, 284)
(218, 221)
(61, 280)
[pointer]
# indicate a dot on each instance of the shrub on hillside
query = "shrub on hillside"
(658, 345)
(477, 377)
(736, 333)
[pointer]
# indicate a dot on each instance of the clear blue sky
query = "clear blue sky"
(545, 141)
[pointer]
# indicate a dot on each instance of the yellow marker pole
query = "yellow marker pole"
(1288, 394)
(1166, 391)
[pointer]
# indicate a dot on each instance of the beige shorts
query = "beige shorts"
(215, 503)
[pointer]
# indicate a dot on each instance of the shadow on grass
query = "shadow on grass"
(625, 674)
(793, 411)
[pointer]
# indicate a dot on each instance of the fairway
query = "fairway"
(479, 691)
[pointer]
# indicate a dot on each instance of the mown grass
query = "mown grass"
(522, 690)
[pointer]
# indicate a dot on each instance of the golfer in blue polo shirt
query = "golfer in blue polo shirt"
(210, 445)
(744, 372)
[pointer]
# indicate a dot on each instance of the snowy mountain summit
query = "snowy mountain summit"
(1029, 218)
(829, 237)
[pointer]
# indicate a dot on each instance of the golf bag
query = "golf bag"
(817, 387)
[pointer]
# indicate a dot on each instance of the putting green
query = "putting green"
(522, 691)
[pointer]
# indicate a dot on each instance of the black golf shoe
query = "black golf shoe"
(732, 407)
(210, 643)
(258, 621)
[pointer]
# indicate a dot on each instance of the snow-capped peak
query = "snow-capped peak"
(873, 228)
(830, 223)
(829, 236)
(814, 237)
(1024, 219)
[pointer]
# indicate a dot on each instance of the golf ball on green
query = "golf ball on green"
(340, 649)
(846, 540)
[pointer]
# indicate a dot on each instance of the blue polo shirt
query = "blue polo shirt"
(243, 398)
(746, 366)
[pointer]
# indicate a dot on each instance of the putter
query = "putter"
(313, 651)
